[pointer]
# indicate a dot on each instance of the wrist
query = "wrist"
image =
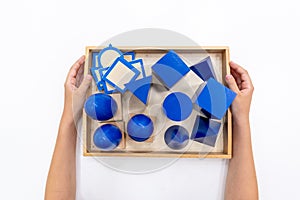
(240, 120)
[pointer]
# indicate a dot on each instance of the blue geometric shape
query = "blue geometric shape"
(176, 137)
(177, 106)
(140, 127)
(107, 137)
(95, 62)
(140, 88)
(204, 69)
(105, 87)
(215, 98)
(139, 67)
(95, 71)
(116, 83)
(100, 107)
(130, 54)
(109, 54)
(205, 131)
(170, 69)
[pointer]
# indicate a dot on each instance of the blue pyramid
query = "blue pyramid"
(140, 88)
(204, 69)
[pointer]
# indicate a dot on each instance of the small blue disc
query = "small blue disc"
(176, 137)
(140, 127)
(100, 107)
(107, 137)
(177, 106)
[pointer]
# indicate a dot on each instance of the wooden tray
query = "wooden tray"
(156, 147)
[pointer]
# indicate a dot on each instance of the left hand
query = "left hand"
(76, 87)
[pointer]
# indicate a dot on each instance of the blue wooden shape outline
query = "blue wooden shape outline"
(129, 66)
(109, 48)
(97, 81)
(130, 53)
(103, 81)
(142, 66)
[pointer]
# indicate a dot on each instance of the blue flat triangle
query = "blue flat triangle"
(140, 88)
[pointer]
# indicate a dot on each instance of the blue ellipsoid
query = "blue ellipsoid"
(107, 137)
(176, 137)
(100, 107)
(140, 127)
(177, 106)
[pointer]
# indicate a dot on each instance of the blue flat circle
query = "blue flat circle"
(100, 107)
(176, 137)
(107, 137)
(177, 106)
(140, 127)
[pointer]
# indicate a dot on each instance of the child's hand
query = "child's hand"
(241, 84)
(76, 87)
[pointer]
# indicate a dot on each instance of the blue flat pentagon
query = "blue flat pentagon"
(205, 131)
(177, 106)
(120, 73)
(140, 88)
(170, 69)
(215, 98)
(204, 69)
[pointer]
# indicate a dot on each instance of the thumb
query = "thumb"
(84, 86)
(231, 83)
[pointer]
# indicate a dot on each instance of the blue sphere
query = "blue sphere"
(100, 107)
(140, 127)
(176, 137)
(177, 106)
(107, 137)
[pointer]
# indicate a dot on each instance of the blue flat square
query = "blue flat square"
(205, 131)
(121, 73)
(215, 98)
(170, 69)
(204, 69)
(139, 65)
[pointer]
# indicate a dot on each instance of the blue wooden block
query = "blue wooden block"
(120, 73)
(205, 131)
(215, 98)
(170, 69)
(204, 69)
(140, 88)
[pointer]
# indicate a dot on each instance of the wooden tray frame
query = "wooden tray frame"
(227, 138)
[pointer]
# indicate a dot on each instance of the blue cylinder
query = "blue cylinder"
(100, 107)
(107, 137)
(140, 127)
(176, 137)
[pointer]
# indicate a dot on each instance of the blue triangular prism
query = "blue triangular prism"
(140, 88)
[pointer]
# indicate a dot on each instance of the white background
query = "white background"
(41, 39)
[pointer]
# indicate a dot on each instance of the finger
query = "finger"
(75, 67)
(237, 70)
(85, 85)
(231, 83)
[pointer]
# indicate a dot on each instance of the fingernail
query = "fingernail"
(88, 77)
(228, 76)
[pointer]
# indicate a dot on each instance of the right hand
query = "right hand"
(240, 82)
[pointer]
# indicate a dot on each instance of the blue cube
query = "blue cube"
(205, 131)
(170, 69)
(215, 98)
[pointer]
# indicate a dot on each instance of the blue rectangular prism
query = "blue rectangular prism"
(170, 69)
(215, 98)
